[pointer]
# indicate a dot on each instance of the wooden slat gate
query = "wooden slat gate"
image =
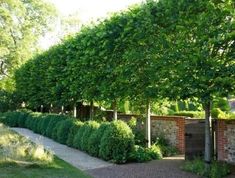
(194, 138)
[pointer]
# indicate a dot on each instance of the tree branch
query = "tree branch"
(2, 71)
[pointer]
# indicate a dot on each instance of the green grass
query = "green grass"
(20, 158)
(197, 166)
(57, 169)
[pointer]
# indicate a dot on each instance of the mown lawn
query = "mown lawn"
(20, 158)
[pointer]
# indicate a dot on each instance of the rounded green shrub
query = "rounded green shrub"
(44, 124)
(90, 127)
(54, 131)
(78, 137)
(63, 130)
(141, 154)
(117, 142)
(73, 131)
(38, 125)
(54, 119)
(11, 119)
(95, 139)
(31, 121)
(22, 118)
(155, 152)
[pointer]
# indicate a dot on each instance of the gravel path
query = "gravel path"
(75, 157)
(166, 168)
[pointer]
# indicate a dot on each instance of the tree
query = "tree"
(21, 24)
(201, 57)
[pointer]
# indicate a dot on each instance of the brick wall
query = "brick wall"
(172, 127)
(226, 140)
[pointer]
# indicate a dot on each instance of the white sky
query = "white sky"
(87, 10)
(92, 9)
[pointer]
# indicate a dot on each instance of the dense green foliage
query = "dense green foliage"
(141, 154)
(90, 127)
(192, 114)
(197, 166)
(95, 139)
(117, 141)
(73, 131)
(22, 24)
(63, 130)
(8, 101)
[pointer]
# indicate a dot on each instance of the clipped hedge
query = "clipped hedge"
(90, 127)
(111, 141)
(63, 130)
(116, 143)
(14, 119)
(95, 139)
(73, 131)
(77, 141)
(53, 120)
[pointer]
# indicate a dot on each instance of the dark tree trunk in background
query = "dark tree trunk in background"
(91, 110)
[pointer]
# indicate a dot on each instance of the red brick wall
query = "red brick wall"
(222, 140)
(180, 123)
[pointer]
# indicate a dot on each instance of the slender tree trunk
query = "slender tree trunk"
(75, 111)
(51, 108)
(62, 109)
(91, 110)
(115, 110)
(148, 126)
(208, 145)
(41, 108)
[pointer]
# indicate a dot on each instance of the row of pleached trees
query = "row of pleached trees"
(158, 49)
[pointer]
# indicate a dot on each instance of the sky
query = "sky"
(92, 9)
(87, 10)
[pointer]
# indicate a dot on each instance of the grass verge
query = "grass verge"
(20, 158)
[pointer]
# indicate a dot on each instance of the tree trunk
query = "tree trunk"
(75, 111)
(115, 110)
(62, 109)
(91, 110)
(208, 145)
(148, 126)
(41, 108)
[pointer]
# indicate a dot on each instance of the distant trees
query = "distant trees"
(21, 25)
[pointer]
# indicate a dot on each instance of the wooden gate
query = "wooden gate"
(194, 138)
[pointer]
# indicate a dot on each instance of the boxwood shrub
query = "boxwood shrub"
(54, 119)
(95, 139)
(14, 119)
(78, 137)
(73, 131)
(142, 154)
(32, 119)
(90, 127)
(63, 129)
(44, 124)
(54, 131)
(117, 142)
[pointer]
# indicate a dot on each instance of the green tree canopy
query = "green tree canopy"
(21, 24)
